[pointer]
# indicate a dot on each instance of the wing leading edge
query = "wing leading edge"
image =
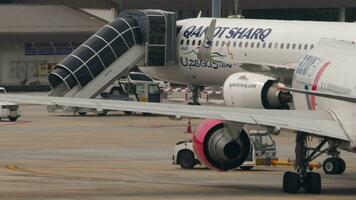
(317, 123)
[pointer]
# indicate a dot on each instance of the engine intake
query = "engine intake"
(215, 148)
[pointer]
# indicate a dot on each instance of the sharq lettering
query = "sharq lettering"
(230, 32)
(186, 62)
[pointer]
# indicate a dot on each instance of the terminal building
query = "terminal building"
(37, 34)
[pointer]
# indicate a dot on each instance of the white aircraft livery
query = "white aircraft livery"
(245, 41)
(280, 75)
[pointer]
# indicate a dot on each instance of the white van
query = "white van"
(9, 110)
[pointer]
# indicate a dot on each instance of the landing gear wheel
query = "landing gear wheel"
(246, 168)
(342, 166)
(291, 183)
(82, 113)
(186, 160)
(194, 103)
(330, 166)
(312, 183)
(13, 119)
(127, 112)
(102, 113)
(334, 166)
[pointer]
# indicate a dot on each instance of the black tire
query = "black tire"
(246, 168)
(127, 112)
(116, 91)
(330, 166)
(342, 165)
(186, 159)
(82, 113)
(291, 183)
(102, 113)
(312, 183)
(13, 119)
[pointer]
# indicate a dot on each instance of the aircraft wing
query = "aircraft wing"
(317, 123)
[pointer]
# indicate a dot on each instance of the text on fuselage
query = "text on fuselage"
(229, 32)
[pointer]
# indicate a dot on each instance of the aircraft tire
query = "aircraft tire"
(186, 159)
(312, 183)
(291, 183)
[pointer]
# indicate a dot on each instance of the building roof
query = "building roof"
(46, 19)
(244, 4)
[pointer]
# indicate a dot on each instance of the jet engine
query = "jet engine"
(218, 149)
(249, 90)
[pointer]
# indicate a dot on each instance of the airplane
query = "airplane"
(262, 64)
(271, 47)
(323, 89)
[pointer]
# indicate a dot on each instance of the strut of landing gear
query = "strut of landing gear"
(195, 97)
(310, 181)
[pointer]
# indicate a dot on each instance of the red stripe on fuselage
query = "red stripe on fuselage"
(315, 83)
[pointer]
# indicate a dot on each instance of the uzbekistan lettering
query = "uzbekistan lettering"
(186, 62)
(229, 32)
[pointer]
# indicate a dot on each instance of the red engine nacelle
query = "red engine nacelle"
(218, 151)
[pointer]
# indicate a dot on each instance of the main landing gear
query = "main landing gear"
(310, 181)
(195, 98)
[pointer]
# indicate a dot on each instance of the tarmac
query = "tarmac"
(62, 156)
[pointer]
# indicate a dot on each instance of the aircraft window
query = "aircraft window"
(199, 42)
(217, 43)
(193, 42)
(181, 42)
(240, 44)
(264, 45)
(288, 46)
(282, 46)
(228, 44)
(312, 46)
(246, 44)
(276, 45)
(222, 43)
(234, 44)
(305, 46)
(258, 45)
(293, 46)
(252, 44)
(300, 46)
(187, 42)
(270, 45)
